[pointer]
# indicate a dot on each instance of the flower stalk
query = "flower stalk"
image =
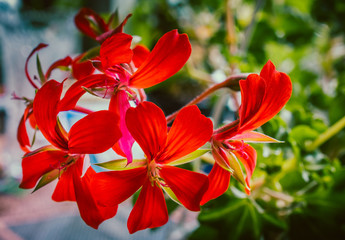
(333, 130)
(230, 82)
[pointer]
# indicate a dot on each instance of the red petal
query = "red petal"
(148, 127)
(22, 135)
(116, 50)
(190, 131)
(188, 186)
(65, 190)
(149, 211)
(112, 188)
(247, 155)
(59, 63)
(36, 164)
(45, 109)
(119, 104)
(263, 96)
(82, 21)
(92, 213)
(83, 69)
(254, 137)
(219, 180)
(119, 29)
(74, 92)
(167, 58)
(40, 46)
(95, 133)
(140, 54)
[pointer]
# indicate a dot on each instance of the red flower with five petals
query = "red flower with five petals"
(189, 131)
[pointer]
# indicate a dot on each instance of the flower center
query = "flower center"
(153, 174)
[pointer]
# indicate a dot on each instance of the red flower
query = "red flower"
(263, 96)
(64, 158)
(190, 131)
(119, 63)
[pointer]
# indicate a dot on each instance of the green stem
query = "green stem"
(333, 130)
(230, 82)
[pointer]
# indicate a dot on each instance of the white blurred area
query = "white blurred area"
(19, 34)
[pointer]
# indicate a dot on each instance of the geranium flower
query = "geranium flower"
(148, 126)
(263, 96)
(121, 76)
(64, 158)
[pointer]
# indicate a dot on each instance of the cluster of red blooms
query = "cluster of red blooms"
(121, 73)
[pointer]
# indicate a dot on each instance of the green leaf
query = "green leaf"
(92, 53)
(121, 164)
(236, 166)
(303, 134)
(239, 219)
(190, 157)
(172, 195)
(45, 148)
(47, 178)
(39, 70)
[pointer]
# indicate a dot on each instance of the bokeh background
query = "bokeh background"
(298, 185)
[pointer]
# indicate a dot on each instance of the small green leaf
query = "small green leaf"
(45, 148)
(172, 195)
(236, 166)
(47, 178)
(121, 164)
(190, 157)
(92, 53)
(39, 70)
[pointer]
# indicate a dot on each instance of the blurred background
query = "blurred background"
(298, 185)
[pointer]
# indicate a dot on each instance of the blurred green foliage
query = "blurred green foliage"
(298, 190)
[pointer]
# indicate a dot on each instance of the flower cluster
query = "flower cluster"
(119, 72)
